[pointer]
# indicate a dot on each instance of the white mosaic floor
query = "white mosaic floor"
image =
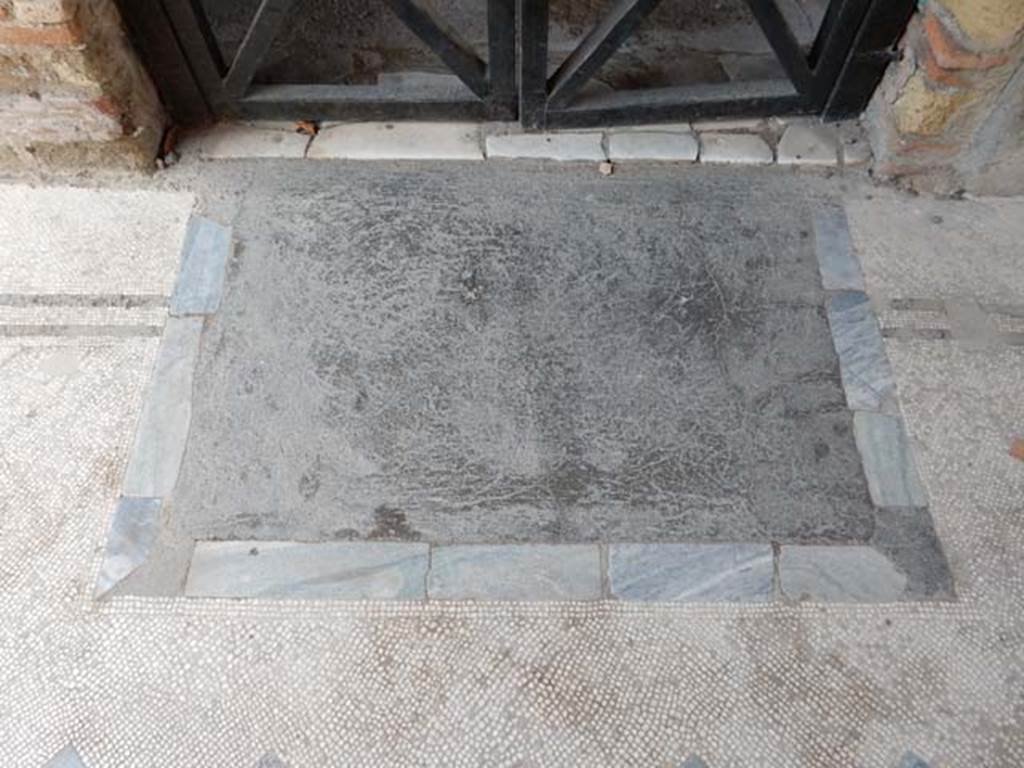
(148, 682)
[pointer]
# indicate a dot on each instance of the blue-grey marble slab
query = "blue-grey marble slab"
(868, 380)
(837, 261)
(66, 758)
(691, 572)
(133, 531)
(166, 412)
(201, 277)
(854, 574)
(693, 761)
(300, 570)
(270, 760)
(515, 572)
(910, 760)
(888, 462)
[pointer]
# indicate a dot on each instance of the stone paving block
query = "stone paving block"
(888, 464)
(66, 758)
(868, 379)
(837, 261)
(653, 145)
(808, 143)
(515, 572)
(734, 148)
(838, 574)
(691, 572)
(564, 146)
(166, 412)
(133, 531)
(910, 760)
(299, 570)
(201, 279)
(228, 141)
(742, 124)
(399, 141)
(853, 144)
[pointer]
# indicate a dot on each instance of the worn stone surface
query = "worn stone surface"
(888, 463)
(201, 277)
(868, 380)
(837, 262)
(547, 146)
(464, 368)
(133, 531)
(691, 572)
(228, 141)
(164, 424)
(511, 572)
(652, 145)
(399, 141)
(180, 682)
(808, 143)
(838, 574)
(734, 148)
(297, 570)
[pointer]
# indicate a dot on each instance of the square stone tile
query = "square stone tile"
(691, 572)
(841, 574)
(808, 143)
(299, 570)
(511, 572)
(398, 141)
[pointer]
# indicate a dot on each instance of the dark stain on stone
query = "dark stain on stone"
(309, 483)
(390, 524)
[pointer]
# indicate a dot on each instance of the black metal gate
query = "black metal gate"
(833, 77)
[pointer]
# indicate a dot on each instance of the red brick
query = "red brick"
(949, 54)
(51, 35)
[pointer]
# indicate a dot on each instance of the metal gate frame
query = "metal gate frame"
(834, 79)
(174, 33)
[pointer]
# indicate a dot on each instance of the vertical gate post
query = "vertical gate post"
(533, 62)
(150, 31)
(501, 60)
(872, 51)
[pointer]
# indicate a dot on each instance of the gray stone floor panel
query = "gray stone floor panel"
(579, 359)
(133, 531)
(510, 572)
(888, 462)
(837, 262)
(867, 376)
(201, 278)
(163, 427)
(691, 572)
(297, 570)
(839, 574)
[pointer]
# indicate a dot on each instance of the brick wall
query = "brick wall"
(939, 122)
(72, 92)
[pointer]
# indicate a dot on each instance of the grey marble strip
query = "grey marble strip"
(515, 572)
(66, 758)
(888, 464)
(299, 570)
(201, 279)
(910, 760)
(113, 300)
(166, 413)
(693, 761)
(133, 531)
(837, 262)
(839, 574)
(691, 572)
(868, 379)
(80, 331)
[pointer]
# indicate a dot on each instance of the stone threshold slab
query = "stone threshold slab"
(802, 142)
(665, 573)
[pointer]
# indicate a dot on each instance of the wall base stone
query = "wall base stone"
(931, 122)
(72, 91)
